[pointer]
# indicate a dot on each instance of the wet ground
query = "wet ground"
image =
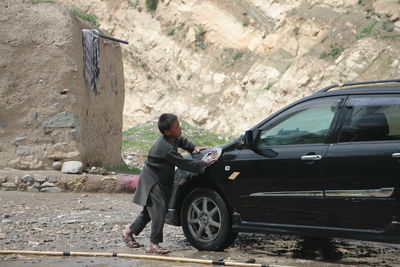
(84, 222)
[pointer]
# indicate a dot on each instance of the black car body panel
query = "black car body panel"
(327, 165)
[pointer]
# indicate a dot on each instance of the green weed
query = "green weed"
(151, 5)
(367, 30)
(201, 44)
(92, 18)
(333, 54)
(170, 32)
(238, 55)
(123, 168)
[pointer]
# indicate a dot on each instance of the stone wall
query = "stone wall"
(47, 112)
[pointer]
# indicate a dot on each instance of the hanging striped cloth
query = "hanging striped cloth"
(91, 58)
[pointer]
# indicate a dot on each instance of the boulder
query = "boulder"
(72, 167)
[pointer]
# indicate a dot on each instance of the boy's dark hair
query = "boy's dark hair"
(165, 121)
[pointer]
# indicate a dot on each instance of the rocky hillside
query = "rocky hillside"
(225, 65)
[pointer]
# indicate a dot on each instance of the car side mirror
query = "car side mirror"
(249, 137)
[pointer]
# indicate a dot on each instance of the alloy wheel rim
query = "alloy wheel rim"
(204, 219)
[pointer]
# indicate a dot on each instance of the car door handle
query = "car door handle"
(311, 157)
(396, 155)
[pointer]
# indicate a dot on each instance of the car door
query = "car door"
(363, 169)
(279, 179)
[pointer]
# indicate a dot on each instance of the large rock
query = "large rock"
(72, 167)
(26, 163)
(63, 150)
(61, 120)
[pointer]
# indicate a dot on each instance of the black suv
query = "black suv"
(327, 165)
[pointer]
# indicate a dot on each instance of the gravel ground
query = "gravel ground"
(92, 222)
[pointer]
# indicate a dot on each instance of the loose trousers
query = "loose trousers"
(154, 211)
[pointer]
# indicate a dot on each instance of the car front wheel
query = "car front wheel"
(206, 221)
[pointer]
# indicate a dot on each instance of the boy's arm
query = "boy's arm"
(189, 146)
(184, 143)
(191, 165)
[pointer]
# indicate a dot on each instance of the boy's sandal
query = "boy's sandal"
(130, 241)
(157, 250)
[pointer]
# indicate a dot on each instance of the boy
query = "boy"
(156, 181)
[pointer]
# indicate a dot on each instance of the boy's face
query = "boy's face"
(175, 130)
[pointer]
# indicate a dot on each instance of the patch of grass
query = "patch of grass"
(133, 4)
(123, 168)
(238, 55)
(151, 5)
(170, 32)
(387, 26)
(143, 136)
(92, 18)
(202, 45)
(202, 137)
(200, 36)
(269, 86)
(333, 54)
(367, 30)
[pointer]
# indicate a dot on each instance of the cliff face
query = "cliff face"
(227, 64)
(47, 112)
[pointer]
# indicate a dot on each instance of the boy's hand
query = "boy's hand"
(211, 158)
(200, 148)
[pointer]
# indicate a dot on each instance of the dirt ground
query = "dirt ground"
(92, 222)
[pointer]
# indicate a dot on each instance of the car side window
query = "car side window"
(371, 118)
(305, 123)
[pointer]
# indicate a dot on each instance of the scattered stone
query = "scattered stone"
(72, 167)
(47, 184)
(36, 184)
(9, 185)
(7, 222)
(40, 178)
(44, 139)
(51, 190)
(24, 150)
(74, 134)
(33, 244)
(35, 115)
(19, 139)
(27, 178)
(57, 165)
(32, 189)
(52, 179)
(17, 179)
(3, 179)
(22, 186)
(6, 215)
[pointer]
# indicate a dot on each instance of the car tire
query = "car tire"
(206, 221)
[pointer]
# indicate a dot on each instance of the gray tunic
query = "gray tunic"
(159, 168)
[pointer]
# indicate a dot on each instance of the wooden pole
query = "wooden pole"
(134, 256)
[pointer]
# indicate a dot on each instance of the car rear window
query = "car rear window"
(371, 118)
